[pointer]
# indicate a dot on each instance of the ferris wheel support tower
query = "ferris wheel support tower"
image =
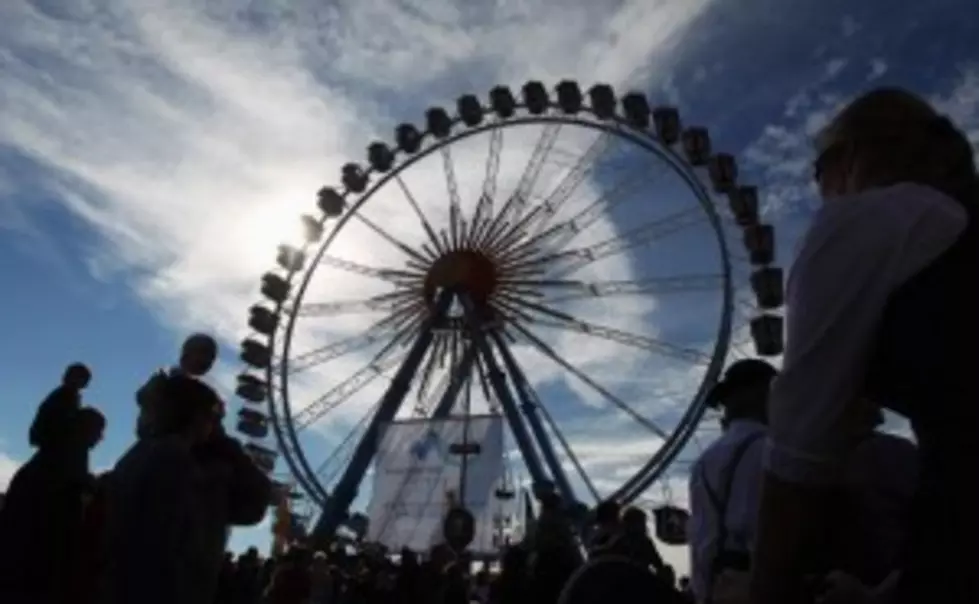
(481, 334)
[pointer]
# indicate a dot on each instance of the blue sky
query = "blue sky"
(152, 157)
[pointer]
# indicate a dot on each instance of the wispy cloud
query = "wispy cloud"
(783, 153)
(191, 139)
(961, 103)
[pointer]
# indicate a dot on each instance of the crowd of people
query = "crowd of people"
(537, 570)
(803, 499)
(155, 527)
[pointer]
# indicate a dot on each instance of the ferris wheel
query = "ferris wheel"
(579, 264)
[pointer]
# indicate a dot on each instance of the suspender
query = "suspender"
(720, 502)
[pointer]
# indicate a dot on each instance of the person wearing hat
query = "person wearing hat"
(881, 307)
(725, 483)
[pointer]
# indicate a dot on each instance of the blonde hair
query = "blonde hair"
(897, 136)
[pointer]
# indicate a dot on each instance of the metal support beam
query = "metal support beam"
(529, 408)
(511, 412)
(461, 373)
(338, 504)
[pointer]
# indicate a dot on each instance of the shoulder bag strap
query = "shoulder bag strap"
(719, 502)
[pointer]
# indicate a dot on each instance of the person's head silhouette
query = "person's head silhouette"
(190, 409)
(743, 392)
(76, 377)
(91, 426)
(889, 136)
(634, 520)
(198, 353)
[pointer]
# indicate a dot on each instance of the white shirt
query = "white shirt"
(742, 505)
(858, 251)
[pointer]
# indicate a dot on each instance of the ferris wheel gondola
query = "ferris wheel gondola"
(505, 292)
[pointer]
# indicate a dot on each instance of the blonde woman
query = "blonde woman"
(882, 305)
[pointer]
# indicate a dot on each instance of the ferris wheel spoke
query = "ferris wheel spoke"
(388, 302)
(568, 262)
(335, 350)
(552, 354)
(392, 325)
(561, 234)
(560, 320)
(418, 256)
(456, 234)
(571, 290)
(457, 378)
(424, 401)
(342, 392)
(499, 246)
(514, 205)
(541, 214)
(484, 207)
(426, 225)
(533, 170)
(400, 278)
(439, 344)
(345, 444)
(510, 313)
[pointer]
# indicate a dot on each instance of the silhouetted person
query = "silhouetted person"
(42, 533)
(633, 541)
(291, 581)
(90, 567)
(511, 586)
(248, 581)
(225, 593)
(554, 551)
(197, 356)
(725, 485)
(55, 417)
(234, 492)
(881, 307)
(158, 521)
(606, 528)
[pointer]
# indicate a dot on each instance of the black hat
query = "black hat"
(741, 375)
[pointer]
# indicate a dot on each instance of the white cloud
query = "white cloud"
(849, 26)
(783, 153)
(961, 104)
(878, 67)
(835, 66)
(8, 467)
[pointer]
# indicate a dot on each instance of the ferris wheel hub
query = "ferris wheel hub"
(463, 270)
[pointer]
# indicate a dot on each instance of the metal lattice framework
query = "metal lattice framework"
(508, 265)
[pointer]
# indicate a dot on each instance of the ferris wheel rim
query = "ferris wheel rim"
(286, 433)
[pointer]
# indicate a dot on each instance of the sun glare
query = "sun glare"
(259, 231)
